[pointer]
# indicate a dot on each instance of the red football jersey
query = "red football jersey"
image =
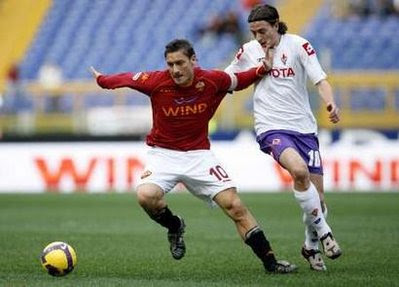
(180, 114)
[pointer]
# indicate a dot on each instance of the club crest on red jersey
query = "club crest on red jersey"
(200, 86)
(308, 48)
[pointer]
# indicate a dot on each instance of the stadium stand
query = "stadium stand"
(129, 35)
(356, 43)
(114, 36)
(366, 46)
(18, 25)
(121, 35)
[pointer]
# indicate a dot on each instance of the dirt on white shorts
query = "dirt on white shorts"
(199, 170)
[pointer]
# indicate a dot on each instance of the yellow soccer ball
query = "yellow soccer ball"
(58, 258)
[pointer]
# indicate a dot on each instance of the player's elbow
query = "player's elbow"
(104, 83)
(100, 81)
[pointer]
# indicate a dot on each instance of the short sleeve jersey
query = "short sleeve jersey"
(281, 100)
(180, 114)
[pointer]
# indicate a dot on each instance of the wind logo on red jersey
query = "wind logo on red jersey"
(184, 110)
(308, 48)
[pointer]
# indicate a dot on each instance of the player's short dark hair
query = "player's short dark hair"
(180, 45)
(269, 14)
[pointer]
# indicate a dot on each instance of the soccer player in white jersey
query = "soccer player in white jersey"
(284, 123)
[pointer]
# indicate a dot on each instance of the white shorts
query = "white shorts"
(199, 171)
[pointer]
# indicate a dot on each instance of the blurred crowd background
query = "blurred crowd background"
(47, 46)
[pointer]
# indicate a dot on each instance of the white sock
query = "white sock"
(309, 201)
(311, 238)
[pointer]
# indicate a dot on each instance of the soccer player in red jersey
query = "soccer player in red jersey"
(184, 98)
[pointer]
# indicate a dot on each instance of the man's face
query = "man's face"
(181, 68)
(265, 33)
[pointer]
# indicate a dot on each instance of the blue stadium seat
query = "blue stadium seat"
(366, 99)
(113, 35)
(130, 35)
(354, 42)
(99, 100)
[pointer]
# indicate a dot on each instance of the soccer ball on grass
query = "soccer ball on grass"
(58, 258)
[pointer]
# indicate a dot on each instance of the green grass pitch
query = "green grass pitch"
(117, 245)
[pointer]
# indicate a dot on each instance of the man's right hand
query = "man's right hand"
(268, 60)
(333, 112)
(94, 72)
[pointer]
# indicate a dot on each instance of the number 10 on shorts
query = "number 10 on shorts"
(314, 158)
(219, 173)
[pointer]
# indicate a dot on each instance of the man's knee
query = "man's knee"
(236, 209)
(149, 196)
(231, 204)
(143, 196)
(300, 174)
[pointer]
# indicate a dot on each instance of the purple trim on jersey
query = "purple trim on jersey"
(274, 142)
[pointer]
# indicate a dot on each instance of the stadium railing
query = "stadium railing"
(347, 82)
(235, 111)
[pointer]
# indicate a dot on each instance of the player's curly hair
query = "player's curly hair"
(269, 14)
(180, 45)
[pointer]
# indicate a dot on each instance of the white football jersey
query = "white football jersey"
(281, 100)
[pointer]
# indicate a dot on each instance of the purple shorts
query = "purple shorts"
(307, 145)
